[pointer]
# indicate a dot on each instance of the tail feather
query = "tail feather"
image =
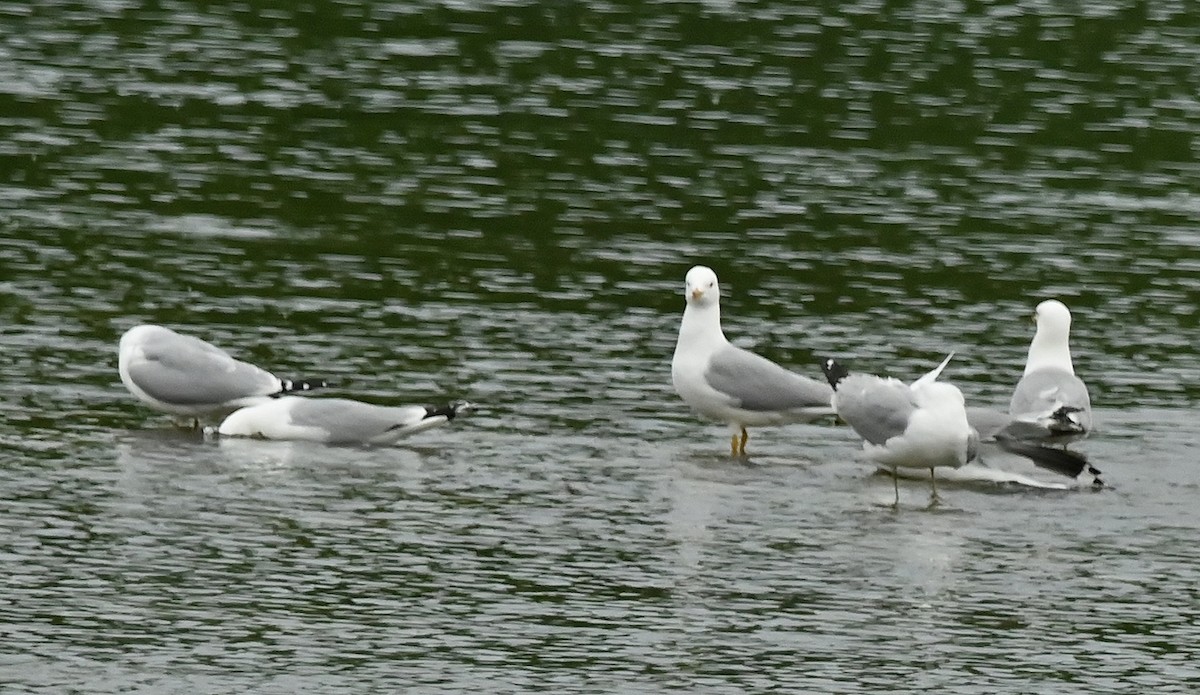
(295, 385)
(935, 373)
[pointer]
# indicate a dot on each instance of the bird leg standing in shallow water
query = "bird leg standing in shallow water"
(933, 498)
(739, 444)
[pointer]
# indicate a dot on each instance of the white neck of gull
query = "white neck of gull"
(701, 326)
(1050, 347)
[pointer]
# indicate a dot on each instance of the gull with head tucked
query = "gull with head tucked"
(186, 376)
(729, 384)
(919, 426)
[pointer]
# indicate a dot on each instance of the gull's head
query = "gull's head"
(1053, 315)
(701, 286)
(132, 339)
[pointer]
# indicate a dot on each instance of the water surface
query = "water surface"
(498, 201)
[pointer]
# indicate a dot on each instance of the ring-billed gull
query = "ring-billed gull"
(729, 384)
(186, 376)
(1050, 405)
(336, 420)
(919, 426)
(1049, 397)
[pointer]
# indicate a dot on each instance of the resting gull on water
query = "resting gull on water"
(186, 376)
(336, 420)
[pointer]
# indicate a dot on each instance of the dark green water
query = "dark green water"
(498, 201)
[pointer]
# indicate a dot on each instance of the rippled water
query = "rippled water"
(498, 201)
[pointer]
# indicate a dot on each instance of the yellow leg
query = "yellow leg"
(738, 444)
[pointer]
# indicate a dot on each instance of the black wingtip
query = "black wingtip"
(450, 410)
(834, 371)
(1061, 461)
(1061, 421)
(300, 385)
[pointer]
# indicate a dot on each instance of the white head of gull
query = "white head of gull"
(729, 384)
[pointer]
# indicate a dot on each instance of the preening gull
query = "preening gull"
(336, 420)
(729, 384)
(919, 426)
(186, 376)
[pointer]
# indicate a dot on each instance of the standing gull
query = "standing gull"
(919, 426)
(726, 383)
(336, 420)
(186, 376)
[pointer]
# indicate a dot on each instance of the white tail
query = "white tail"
(933, 375)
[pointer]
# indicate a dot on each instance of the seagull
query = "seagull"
(1049, 397)
(336, 420)
(1050, 406)
(726, 383)
(919, 426)
(186, 376)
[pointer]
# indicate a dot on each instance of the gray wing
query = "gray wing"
(987, 422)
(183, 370)
(1044, 391)
(877, 409)
(353, 421)
(993, 425)
(1029, 439)
(759, 384)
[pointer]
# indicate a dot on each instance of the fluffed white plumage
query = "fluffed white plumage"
(729, 384)
(923, 425)
(186, 376)
(336, 420)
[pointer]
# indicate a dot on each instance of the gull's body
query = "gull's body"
(729, 384)
(336, 420)
(919, 426)
(186, 376)
(1049, 397)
